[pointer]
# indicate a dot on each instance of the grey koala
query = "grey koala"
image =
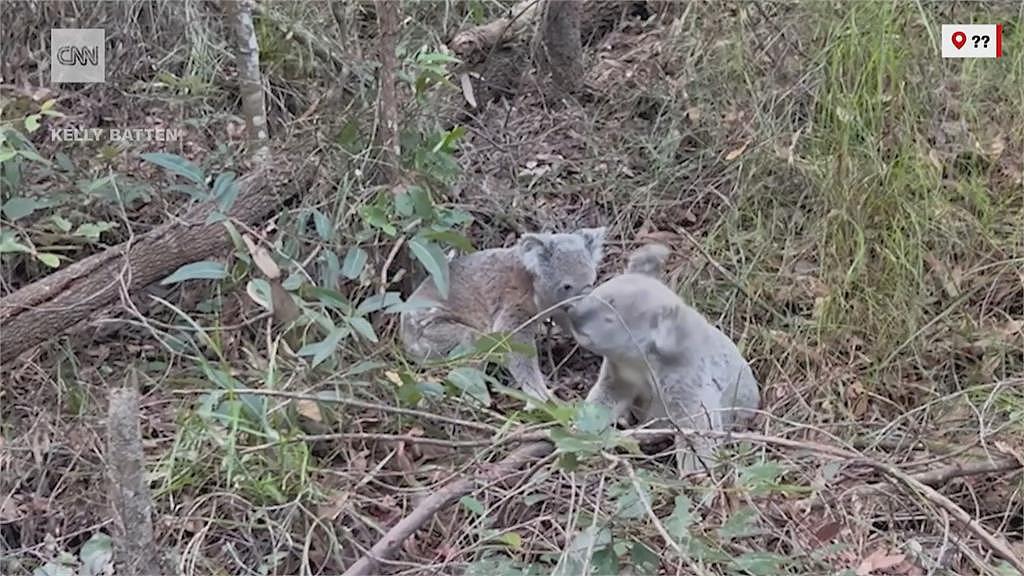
(500, 289)
(662, 358)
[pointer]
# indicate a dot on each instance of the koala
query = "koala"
(662, 358)
(499, 290)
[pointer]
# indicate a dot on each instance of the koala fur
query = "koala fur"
(500, 289)
(662, 358)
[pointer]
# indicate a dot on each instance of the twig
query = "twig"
(387, 546)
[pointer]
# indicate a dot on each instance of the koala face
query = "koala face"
(620, 319)
(562, 265)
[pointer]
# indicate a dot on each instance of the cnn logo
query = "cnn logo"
(77, 55)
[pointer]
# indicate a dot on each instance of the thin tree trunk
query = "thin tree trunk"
(250, 82)
(557, 48)
(388, 17)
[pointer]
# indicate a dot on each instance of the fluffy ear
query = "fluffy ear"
(533, 251)
(593, 239)
(649, 260)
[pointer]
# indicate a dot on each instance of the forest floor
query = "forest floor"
(842, 202)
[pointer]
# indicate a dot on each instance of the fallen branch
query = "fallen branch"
(391, 542)
(474, 44)
(50, 306)
(387, 546)
(134, 545)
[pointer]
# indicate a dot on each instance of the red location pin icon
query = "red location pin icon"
(959, 39)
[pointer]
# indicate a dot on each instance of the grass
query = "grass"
(844, 203)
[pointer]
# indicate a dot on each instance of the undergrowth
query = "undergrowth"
(842, 202)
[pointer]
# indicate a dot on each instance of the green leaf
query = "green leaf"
(364, 328)
(471, 382)
(473, 505)
(51, 260)
(376, 217)
(9, 243)
(20, 207)
(32, 123)
(511, 539)
(378, 302)
(593, 418)
(176, 165)
(64, 162)
(423, 206)
(324, 348)
(451, 238)
(761, 478)
(628, 502)
(225, 191)
(331, 269)
(203, 270)
(410, 305)
(96, 553)
(93, 230)
(739, 524)
(62, 224)
(679, 522)
(447, 142)
(605, 561)
(590, 540)
(6, 155)
(355, 259)
(433, 260)
(572, 443)
(53, 569)
(323, 225)
(330, 298)
(761, 563)
(645, 560)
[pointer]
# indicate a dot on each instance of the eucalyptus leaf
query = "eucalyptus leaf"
(176, 165)
(433, 260)
(203, 270)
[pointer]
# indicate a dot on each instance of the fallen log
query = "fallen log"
(597, 17)
(48, 307)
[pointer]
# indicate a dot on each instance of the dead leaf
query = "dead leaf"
(262, 258)
(467, 89)
(393, 377)
(996, 146)
(736, 153)
(334, 506)
(9, 511)
(879, 560)
(827, 531)
(693, 113)
(309, 409)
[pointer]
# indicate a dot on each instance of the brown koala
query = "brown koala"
(500, 289)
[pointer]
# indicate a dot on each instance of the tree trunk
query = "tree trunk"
(388, 18)
(50, 306)
(250, 82)
(557, 49)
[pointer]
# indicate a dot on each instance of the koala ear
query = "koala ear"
(533, 251)
(593, 239)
